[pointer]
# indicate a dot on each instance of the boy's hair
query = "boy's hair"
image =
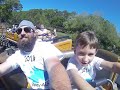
(87, 38)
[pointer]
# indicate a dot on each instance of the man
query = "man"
(40, 61)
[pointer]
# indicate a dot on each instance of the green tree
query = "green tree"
(6, 8)
(5, 12)
(15, 4)
(106, 31)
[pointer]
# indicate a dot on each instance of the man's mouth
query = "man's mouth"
(23, 37)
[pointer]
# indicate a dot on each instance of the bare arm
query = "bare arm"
(5, 68)
(111, 66)
(59, 79)
(78, 81)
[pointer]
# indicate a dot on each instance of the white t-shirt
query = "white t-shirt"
(88, 72)
(32, 63)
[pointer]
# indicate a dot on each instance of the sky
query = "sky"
(108, 9)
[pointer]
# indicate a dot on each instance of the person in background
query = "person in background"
(54, 33)
(42, 32)
(14, 28)
(84, 62)
(39, 61)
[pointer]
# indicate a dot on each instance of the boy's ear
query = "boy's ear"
(96, 51)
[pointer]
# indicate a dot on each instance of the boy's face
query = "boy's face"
(84, 55)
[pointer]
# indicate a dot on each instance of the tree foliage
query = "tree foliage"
(7, 7)
(106, 32)
(71, 23)
(49, 17)
(5, 12)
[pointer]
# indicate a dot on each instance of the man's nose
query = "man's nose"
(23, 32)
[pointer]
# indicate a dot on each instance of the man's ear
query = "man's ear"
(35, 33)
(74, 50)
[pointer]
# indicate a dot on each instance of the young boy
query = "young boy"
(84, 62)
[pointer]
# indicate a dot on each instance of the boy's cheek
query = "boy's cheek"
(79, 58)
(92, 58)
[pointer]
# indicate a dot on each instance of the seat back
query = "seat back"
(109, 56)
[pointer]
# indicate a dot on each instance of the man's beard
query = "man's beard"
(26, 45)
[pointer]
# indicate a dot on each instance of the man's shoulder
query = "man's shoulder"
(40, 45)
(14, 56)
(16, 53)
(38, 42)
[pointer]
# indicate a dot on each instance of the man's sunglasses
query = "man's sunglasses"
(26, 29)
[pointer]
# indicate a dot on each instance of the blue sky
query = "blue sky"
(108, 9)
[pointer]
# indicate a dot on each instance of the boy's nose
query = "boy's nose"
(85, 58)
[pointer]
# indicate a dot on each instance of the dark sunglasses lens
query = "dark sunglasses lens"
(19, 30)
(27, 29)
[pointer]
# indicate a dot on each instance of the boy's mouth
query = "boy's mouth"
(84, 63)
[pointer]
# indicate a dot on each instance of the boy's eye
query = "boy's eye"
(91, 54)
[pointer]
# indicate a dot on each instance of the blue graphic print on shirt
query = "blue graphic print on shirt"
(38, 74)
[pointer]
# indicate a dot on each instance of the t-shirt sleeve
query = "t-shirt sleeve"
(52, 51)
(98, 63)
(12, 60)
(71, 64)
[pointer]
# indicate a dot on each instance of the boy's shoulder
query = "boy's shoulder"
(97, 58)
(97, 62)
